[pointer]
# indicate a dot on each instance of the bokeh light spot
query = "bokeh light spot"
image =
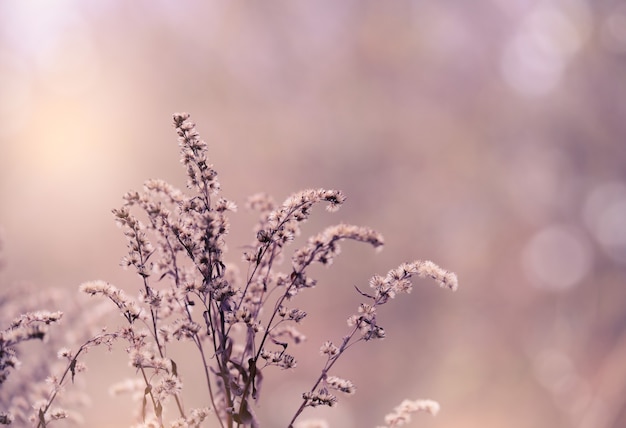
(605, 211)
(556, 258)
(613, 33)
(535, 58)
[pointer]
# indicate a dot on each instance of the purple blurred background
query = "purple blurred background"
(486, 136)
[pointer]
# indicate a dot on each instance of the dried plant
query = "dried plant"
(240, 325)
(26, 327)
(27, 371)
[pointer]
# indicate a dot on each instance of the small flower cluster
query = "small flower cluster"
(398, 280)
(402, 413)
(321, 397)
(340, 384)
(28, 326)
(323, 248)
(127, 306)
(194, 419)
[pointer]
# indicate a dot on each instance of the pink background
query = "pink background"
(486, 136)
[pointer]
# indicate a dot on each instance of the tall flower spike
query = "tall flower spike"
(201, 175)
(324, 247)
(398, 279)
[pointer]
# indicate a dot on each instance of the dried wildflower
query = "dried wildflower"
(64, 353)
(240, 326)
(329, 349)
(282, 225)
(402, 413)
(128, 307)
(57, 413)
(28, 326)
(296, 315)
(279, 359)
(323, 248)
(340, 384)
(45, 317)
(169, 385)
(321, 397)
(185, 329)
(201, 175)
(398, 279)
(364, 325)
(195, 418)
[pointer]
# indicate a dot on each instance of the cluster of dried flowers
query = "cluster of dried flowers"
(240, 325)
(26, 327)
(26, 399)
